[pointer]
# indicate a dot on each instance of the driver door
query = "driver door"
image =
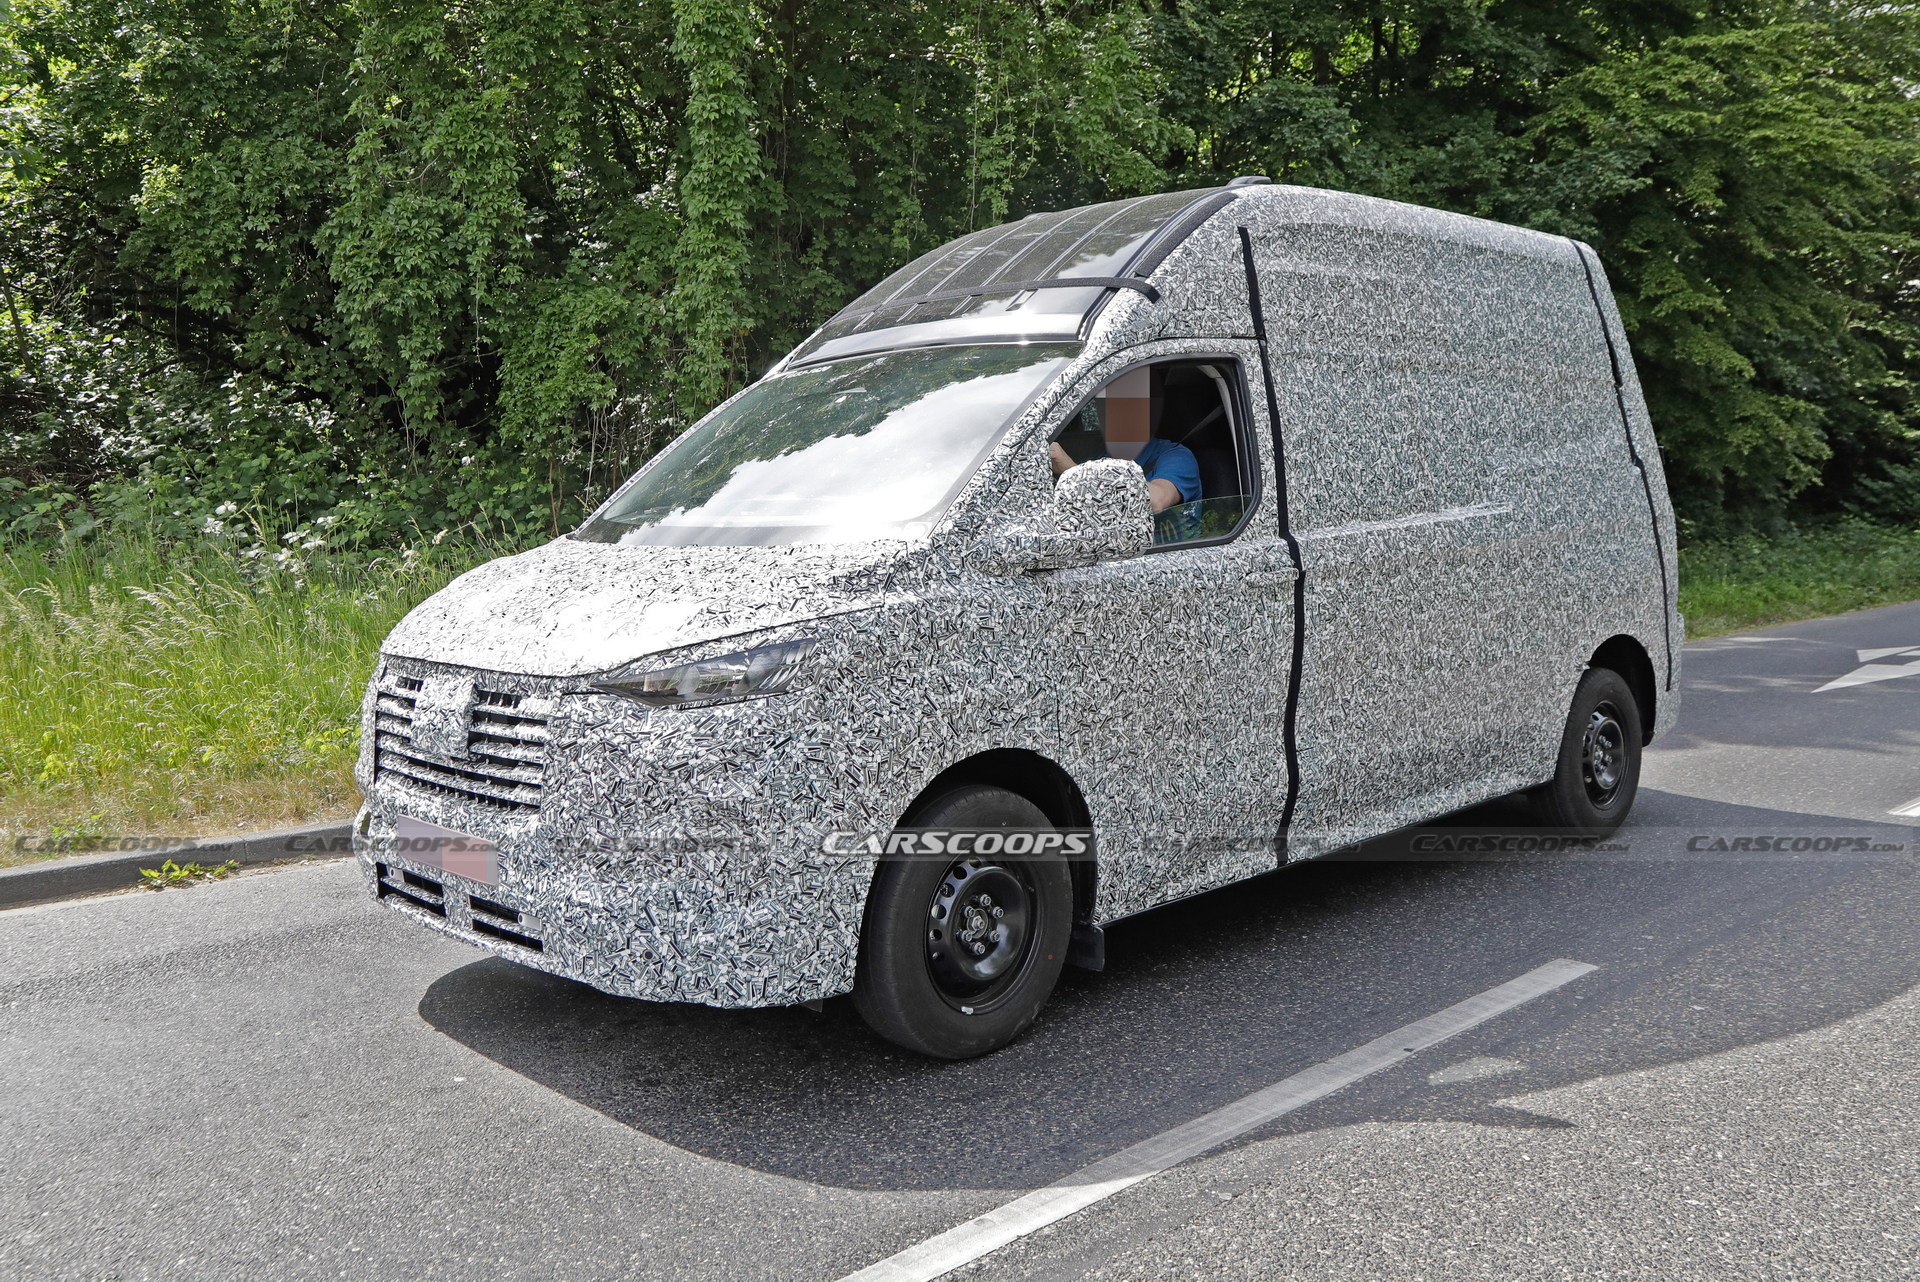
(1173, 665)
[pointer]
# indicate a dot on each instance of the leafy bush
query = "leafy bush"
(1751, 581)
(469, 264)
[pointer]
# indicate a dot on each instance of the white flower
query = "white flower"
(226, 509)
(438, 537)
(213, 526)
(311, 544)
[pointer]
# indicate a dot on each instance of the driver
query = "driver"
(1173, 474)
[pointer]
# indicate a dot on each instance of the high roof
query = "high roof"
(1010, 281)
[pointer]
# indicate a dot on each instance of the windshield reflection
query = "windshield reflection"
(870, 448)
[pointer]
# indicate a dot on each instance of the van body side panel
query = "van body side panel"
(1632, 405)
(1463, 495)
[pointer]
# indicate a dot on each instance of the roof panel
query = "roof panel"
(1091, 241)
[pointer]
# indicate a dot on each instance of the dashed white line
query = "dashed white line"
(1909, 811)
(967, 1242)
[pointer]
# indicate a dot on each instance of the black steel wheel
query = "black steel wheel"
(959, 952)
(980, 932)
(1603, 754)
(1598, 772)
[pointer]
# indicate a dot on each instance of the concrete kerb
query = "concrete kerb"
(78, 875)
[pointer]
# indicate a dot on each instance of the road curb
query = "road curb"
(79, 875)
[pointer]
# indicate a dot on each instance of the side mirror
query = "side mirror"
(1104, 515)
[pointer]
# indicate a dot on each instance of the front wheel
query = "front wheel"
(959, 952)
(1598, 773)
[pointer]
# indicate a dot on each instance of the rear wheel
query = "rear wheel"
(959, 952)
(1598, 772)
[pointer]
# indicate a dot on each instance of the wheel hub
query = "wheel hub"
(1603, 754)
(979, 929)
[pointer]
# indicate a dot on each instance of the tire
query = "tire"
(1598, 774)
(918, 985)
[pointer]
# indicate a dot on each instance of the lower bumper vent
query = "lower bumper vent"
(422, 892)
(488, 918)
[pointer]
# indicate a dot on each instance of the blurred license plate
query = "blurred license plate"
(459, 853)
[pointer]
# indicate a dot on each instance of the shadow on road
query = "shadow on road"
(1207, 1000)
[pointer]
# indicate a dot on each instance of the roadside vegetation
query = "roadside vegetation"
(1732, 585)
(193, 687)
(284, 287)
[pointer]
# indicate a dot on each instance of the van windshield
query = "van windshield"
(869, 448)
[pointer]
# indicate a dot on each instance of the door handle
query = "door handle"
(1270, 578)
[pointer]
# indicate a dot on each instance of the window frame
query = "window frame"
(1239, 406)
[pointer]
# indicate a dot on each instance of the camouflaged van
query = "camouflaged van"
(1083, 564)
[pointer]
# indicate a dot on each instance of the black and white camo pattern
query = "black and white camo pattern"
(1469, 517)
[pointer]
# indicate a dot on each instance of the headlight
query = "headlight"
(748, 674)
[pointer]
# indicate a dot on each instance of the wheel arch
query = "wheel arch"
(1626, 655)
(1040, 780)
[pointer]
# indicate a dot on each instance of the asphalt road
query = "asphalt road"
(271, 1077)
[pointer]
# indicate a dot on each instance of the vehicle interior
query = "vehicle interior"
(1193, 406)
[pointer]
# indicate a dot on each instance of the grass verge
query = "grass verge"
(183, 690)
(1754, 582)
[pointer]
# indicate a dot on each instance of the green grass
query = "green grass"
(185, 690)
(1748, 583)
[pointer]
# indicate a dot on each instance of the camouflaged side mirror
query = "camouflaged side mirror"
(1103, 514)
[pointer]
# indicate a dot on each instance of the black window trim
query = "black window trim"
(1242, 434)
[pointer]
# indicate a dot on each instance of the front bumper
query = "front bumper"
(731, 930)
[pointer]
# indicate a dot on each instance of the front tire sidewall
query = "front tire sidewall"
(1563, 801)
(895, 991)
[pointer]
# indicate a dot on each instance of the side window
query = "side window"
(1181, 421)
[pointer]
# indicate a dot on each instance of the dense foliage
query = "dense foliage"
(430, 262)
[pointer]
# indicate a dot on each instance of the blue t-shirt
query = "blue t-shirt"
(1171, 461)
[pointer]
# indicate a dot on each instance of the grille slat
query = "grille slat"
(516, 726)
(504, 764)
(485, 768)
(483, 927)
(467, 782)
(518, 750)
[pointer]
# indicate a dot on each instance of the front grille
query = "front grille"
(504, 760)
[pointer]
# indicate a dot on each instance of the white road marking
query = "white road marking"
(967, 1242)
(1476, 1069)
(1871, 669)
(1881, 652)
(1909, 811)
